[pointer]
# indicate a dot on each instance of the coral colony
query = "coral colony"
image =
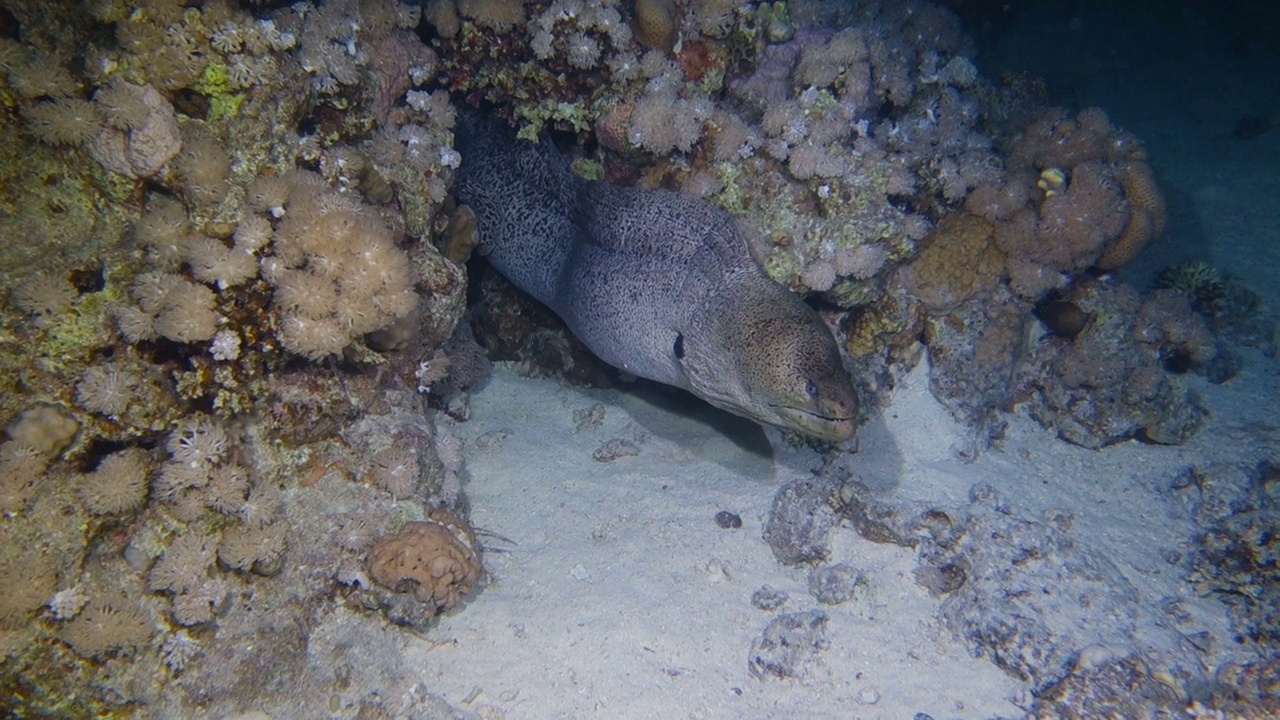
(235, 282)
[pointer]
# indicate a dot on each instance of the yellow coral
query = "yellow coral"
(1052, 181)
(959, 261)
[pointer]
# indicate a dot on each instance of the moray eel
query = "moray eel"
(656, 283)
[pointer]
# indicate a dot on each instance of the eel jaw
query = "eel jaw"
(833, 428)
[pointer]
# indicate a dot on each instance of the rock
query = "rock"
(800, 521)
(835, 584)
(769, 598)
(788, 644)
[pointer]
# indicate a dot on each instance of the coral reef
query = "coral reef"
(218, 255)
(234, 282)
(1118, 378)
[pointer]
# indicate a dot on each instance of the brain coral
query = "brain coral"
(1146, 215)
(437, 555)
(959, 261)
(655, 24)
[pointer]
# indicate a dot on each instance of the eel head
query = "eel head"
(777, 365)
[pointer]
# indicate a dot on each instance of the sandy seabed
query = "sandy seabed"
(618, 595)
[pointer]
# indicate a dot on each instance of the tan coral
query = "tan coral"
(655, 24)
(438, 555)
(46, 428)
(1147, 215)
(959, 261)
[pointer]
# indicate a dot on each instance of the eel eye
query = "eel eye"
(810, 389)
(678, 348)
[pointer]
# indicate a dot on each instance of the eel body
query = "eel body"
(656, 283)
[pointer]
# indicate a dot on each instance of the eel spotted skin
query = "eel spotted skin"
(656, 283)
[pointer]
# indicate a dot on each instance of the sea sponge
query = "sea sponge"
(141, 135)
(655, 24)
(1147, 214)
(438, 556)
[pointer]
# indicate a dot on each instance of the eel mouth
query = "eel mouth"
(834, 428)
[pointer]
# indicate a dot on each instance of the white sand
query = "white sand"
(620, 596)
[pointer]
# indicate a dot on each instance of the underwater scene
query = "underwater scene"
(484, 359)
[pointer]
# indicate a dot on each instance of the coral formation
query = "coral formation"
(438, 556)
(110, 621)
(118, 484)
(1117, 378)
(235, 277)
(168, 267)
